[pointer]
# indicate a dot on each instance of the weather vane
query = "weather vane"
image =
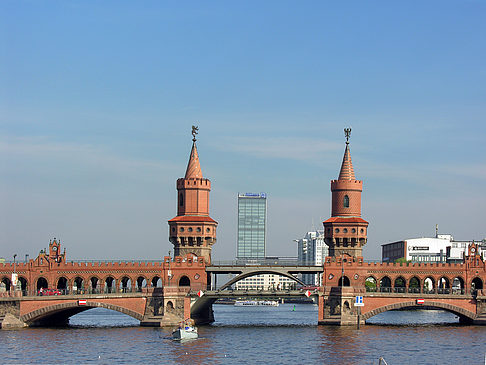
(194, 132)
(347, 133)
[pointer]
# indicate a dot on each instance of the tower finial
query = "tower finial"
(195, 129)
(347, 133)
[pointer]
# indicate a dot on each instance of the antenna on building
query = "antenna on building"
(436, 230)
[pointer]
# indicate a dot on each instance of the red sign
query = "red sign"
(82, 302)
(308, 293)
(420, 301)
(200, 293)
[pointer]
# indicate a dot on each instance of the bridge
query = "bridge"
(163, 292)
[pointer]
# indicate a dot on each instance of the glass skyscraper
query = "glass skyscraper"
(252, 218)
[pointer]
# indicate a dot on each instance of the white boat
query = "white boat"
(186, 331)
(250, 303)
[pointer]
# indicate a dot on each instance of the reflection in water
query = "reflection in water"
(256, 335)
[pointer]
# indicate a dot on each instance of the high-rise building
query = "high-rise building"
(252, 218)
(312, 250)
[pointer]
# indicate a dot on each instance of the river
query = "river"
(252, 335)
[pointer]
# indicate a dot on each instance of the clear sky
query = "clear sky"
(97, 100)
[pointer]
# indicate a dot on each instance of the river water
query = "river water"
(252, 335)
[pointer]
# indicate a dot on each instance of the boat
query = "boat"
(185, 331)
(251, 303)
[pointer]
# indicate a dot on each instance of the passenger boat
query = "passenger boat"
(248, 303)
(186, 331)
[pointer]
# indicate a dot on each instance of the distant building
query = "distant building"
(312, 250)
(252, 217)
(266, 282)
(439, 249)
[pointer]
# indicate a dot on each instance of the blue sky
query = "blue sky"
(97, 100)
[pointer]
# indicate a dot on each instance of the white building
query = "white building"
(312, 250)
(439, 249)
(265, 282)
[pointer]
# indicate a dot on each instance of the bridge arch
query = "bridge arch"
(461, 312)
(60, 313)
(42, 283)
(7, 283)
(247, 274)
(62, 283)
(477, 283)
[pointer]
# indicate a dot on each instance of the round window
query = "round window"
(190, 229)
(336, 230)
(208, 230)
(362, 230)
(198, 229)
(181, 229)
(345, 230)
(353, 230)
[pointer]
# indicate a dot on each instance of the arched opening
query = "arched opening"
(125, 284)
(443, 286)
(41, 284)
(458, 285)
(414, 285)
(93, 285)
(5, 285)
(346, 201)
(23, 285)
(429, 285)
(184, 281)
(78, 285)
(181, 199)
(399, 285)
(169, 307)
(141, 283)
(156, 282)
(109, 285)
(344, 281)
(476, 284)
(62, 285)
(370, 284)
(385, 284)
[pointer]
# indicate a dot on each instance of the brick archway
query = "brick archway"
(73, 308)
(461, 312)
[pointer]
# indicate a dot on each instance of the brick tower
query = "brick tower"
(193, 231)
(345, 232)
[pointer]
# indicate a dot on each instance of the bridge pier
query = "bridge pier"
(336, 307)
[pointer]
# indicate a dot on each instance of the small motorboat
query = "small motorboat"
(186, 331)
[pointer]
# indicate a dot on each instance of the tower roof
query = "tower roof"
(193, 167)
(347, 171)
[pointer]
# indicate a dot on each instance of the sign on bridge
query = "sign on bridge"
(359, 302)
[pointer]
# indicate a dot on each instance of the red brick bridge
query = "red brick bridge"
(163, 292)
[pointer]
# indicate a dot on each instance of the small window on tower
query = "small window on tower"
(346, 201)
(181, 200)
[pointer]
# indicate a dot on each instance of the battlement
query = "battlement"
(194, 183)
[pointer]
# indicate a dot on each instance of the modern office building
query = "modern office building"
(439, 249)
(252, 218)
(312, 250)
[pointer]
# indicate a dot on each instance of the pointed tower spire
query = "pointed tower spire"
(347, 171)
(193, 167)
